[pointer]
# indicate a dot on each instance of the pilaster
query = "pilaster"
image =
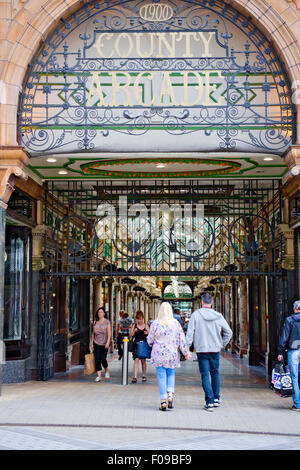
(243, 317)
(288, 260)
(12, 162)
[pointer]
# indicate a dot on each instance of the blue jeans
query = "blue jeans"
(209, 370)
(294, 363)
(166, 381)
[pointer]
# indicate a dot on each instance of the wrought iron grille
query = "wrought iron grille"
(248, 106)
(46, 331)
(118, 228)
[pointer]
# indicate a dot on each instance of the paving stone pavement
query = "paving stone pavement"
(72, 412)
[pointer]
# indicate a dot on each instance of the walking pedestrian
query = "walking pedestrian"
(119, 335)
(176, 314)
(290, 341)
(139, 332)
(209, 332)
(124, 325)
(166, 338)
(100, 342)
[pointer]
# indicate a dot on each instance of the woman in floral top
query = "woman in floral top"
(166, 338)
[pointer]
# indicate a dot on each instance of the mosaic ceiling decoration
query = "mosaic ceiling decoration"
(106, 168)
(160, 76)
(128, 166)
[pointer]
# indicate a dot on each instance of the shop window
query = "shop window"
(17, 284)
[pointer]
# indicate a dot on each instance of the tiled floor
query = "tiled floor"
(71, 411)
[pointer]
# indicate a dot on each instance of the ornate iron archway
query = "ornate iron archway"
(116, 228)
(222, 81)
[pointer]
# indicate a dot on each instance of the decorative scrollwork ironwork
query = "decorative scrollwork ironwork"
(248, 106)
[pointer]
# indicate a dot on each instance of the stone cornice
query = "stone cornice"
(31, 187)
(291, 187)
(12, 164)
(7, 181)
(13, 156)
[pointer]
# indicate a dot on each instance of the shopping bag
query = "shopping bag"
(89, 364)
(282, 380)
(143, 350)
(276, 377)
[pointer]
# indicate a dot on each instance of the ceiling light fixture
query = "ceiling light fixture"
(62, 172)
(268, 159)
(160, 165)
(51, 160)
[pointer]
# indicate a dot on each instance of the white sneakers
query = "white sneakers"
(211, 406)
(106, 376)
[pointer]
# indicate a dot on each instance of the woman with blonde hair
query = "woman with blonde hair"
(166, 338)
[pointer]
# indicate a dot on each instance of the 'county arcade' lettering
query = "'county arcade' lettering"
(157, 45)
(119, 88)
(154, 88)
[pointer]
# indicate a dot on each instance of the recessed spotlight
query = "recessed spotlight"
(268, 159)
(62, 172)
(160, 165)
(51, 160)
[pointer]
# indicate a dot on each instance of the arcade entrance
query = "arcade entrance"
(128, 244)
(155, 132)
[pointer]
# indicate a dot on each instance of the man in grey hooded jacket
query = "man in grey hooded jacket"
(210, 332)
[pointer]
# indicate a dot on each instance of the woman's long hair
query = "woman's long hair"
(165, 314)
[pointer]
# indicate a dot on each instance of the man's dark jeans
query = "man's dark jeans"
(209, 370)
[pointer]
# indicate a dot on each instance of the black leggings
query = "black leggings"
(100, 356)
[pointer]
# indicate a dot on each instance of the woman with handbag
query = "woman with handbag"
(138, 334)
(100, 342)
(166, 338)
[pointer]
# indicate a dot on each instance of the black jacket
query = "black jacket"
(290, 334)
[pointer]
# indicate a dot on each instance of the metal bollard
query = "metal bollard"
(125, 361)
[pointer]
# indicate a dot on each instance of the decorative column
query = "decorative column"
(129, 303)
(156, 308)
(12, 162)
(118, 304)
(38, 236)
(243, 316)
(234, 309)
(97, 294)
(111, 313)
(144, 304)
(124, 299)
(150, 309)
(288, 261)
(146, 309)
